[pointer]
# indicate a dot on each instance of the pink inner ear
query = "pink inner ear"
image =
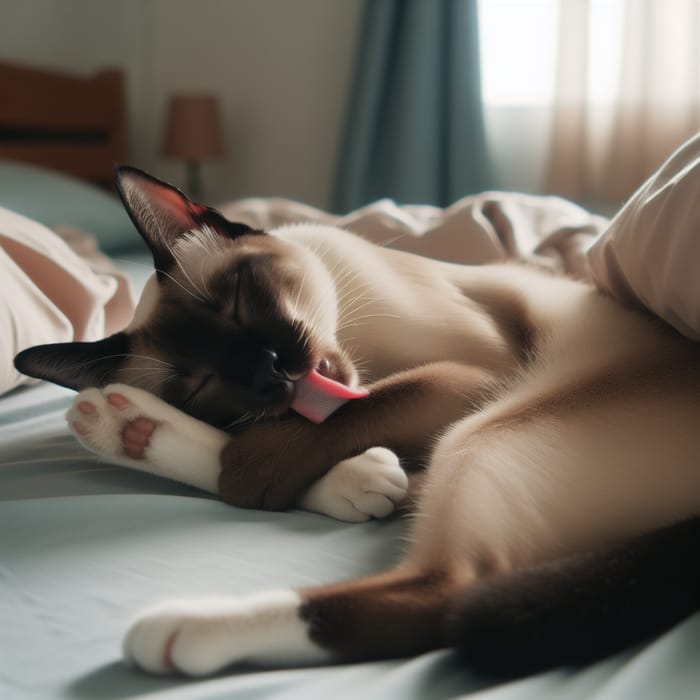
(173, 204)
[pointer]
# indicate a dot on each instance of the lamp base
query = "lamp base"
(193, 179)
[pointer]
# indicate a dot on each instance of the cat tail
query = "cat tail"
(580, 609)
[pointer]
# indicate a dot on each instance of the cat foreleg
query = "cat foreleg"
(133, 428)
(404, 412)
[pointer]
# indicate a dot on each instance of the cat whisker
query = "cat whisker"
(150, 369)
(207, 291)
(152, 379)
(152, 359)
(357, 306)
(354, 321)
(351, 306)
(295, 303)
(183, 287)
(86, 363)
(344, 281)
(390, 241)
(203, 295)
(245, 419)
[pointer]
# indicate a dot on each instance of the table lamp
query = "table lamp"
(193, 134)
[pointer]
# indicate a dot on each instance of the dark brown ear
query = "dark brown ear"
(75, 365)
(161, 214)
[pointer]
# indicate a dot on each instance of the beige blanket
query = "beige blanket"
(489, 227)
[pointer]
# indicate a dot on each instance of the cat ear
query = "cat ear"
(161, 214)
(75, 365)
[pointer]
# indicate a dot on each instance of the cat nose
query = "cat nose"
(268, 374)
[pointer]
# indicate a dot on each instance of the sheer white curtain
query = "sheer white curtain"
(617, 88)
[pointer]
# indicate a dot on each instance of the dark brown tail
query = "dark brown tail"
(581, 609)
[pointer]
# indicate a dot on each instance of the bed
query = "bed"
(84, 545)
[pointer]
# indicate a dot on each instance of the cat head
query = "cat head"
(231, 317)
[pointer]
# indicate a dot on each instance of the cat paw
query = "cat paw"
(107, 421)
(133, 428)
(199, 637)
(370, 485)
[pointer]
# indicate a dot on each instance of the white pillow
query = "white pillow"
(650, 254)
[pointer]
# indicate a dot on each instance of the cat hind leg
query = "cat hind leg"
(388, 615)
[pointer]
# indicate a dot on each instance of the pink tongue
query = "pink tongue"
(316, 396)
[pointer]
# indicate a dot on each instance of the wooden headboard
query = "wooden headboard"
(76, 125)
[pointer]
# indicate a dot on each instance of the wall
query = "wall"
(281, 67)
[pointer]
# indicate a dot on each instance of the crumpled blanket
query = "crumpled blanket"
(489, 227)
(55, 286)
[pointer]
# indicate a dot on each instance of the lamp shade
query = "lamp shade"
(193, 129)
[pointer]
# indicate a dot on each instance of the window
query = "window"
(520, 48)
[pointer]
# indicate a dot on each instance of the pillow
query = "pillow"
(650, 254)
(53, 290)
(52, 199)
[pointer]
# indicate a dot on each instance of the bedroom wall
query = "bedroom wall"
(75, 35)
(282, 70)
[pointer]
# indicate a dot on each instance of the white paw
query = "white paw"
(111, 422)
(199, 637)
(370, 485)
(131, 427)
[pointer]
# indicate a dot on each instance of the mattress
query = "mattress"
(85, 545)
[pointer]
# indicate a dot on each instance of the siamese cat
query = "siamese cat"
(556, 434)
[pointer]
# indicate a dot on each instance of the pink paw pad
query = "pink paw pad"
(136, 437)
(117, 400)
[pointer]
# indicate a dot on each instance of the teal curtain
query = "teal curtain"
(414, 129)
